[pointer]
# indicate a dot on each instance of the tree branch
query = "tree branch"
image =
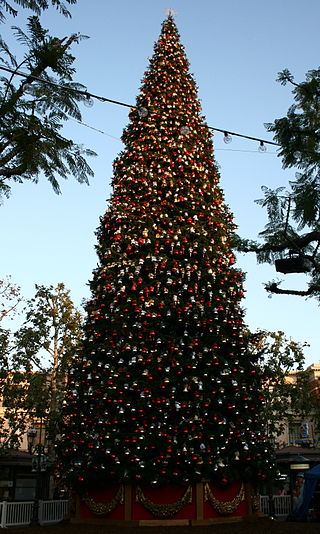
(8, 173)
(9, 156)
(300, 242)
(9, 142)
(274, 288)
(12, 308)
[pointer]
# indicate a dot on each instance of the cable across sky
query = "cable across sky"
(227, 133)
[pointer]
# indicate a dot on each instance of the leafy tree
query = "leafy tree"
(37, 358)
(306, 401)
(10, 298)
(293, 227)
(37, 96)
(35, 5)
(279, 355)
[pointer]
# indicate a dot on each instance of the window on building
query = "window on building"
(294, 432)
(25, 489)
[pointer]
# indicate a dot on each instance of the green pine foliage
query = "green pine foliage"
(167, 387)
(38, 6)
(293, 211)
(298, 135)
(33, 109)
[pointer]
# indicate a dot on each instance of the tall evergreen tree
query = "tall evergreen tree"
(166, 388)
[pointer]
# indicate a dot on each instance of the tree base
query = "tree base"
(171, 505)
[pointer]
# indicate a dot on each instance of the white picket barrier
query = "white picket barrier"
(16, 514)
(281, 505)
(52, 511)
(19, 514)
(264, 504)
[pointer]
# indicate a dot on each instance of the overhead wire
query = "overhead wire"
(227, 134)
(118, 139)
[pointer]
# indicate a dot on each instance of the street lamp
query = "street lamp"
(38, 466)
(31, 436)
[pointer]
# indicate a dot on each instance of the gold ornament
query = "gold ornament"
(164, 510)
(101, 508)
(227, 507)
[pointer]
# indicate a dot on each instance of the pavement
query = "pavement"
(258, 526)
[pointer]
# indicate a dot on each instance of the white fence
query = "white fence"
(281, 505)
(49, 512)
(20, 513)
(52, 511)
(16, 514)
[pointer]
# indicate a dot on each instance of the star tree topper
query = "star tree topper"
(169, 11)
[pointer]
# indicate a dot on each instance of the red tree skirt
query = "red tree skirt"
(203, 502)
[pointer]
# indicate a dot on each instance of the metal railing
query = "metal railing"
(282, 505)
(16, 514)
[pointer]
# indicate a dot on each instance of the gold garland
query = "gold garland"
(101, 508)
(164, 510)
(227, 507)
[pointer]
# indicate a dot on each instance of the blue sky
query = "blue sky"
(235, 51)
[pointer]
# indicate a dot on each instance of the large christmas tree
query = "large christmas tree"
(165, 388)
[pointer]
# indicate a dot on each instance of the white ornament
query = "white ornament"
(185, 130)
(142, 112)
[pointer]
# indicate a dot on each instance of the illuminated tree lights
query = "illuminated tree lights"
(165, 388)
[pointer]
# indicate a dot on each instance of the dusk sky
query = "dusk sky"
(235, 51)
